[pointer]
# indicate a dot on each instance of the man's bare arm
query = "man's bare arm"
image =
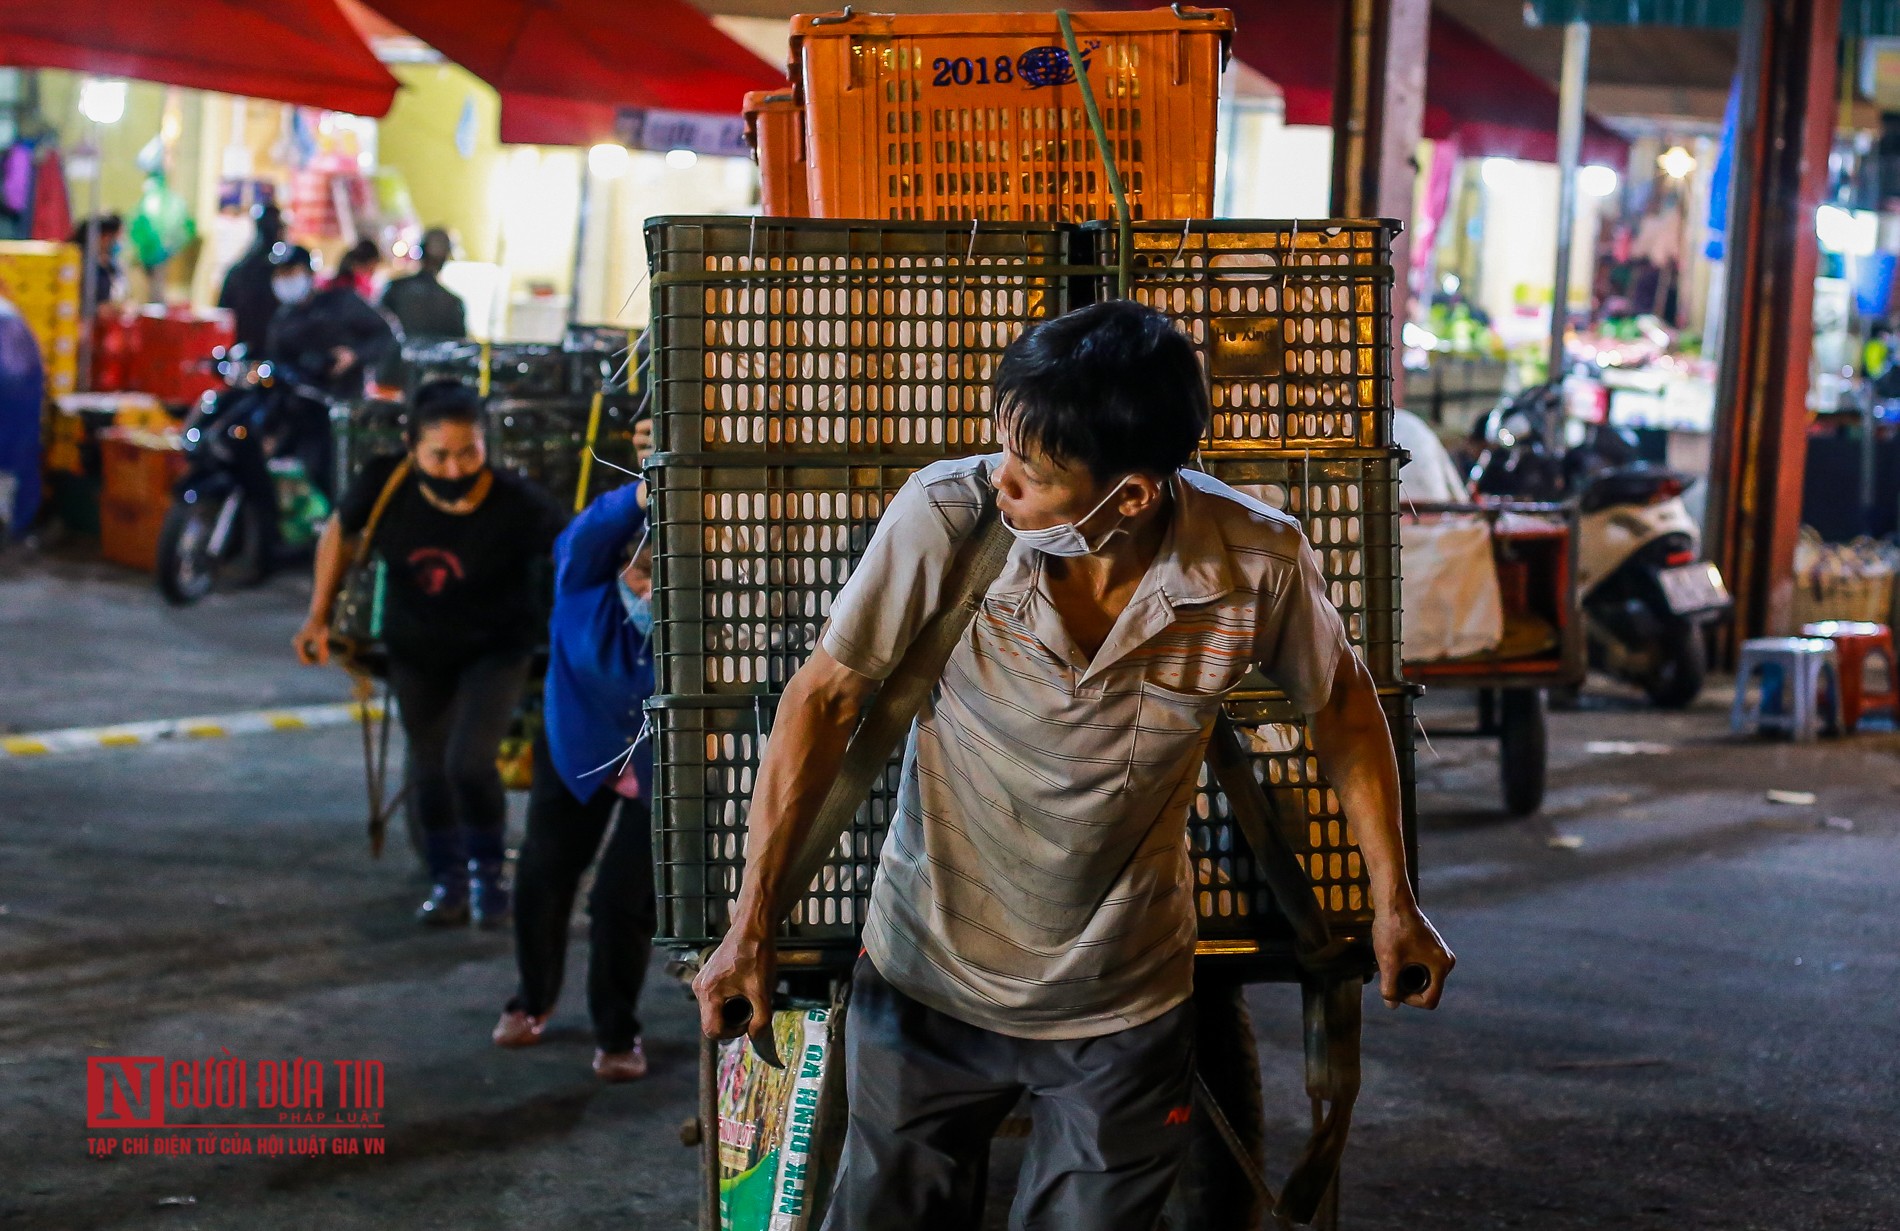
(816, 717)
(1354, 748)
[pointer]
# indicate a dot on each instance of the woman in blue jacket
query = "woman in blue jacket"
(592, 761)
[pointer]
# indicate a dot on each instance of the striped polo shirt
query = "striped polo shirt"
(1035, 878)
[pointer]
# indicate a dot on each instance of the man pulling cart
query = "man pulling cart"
(1032, 923)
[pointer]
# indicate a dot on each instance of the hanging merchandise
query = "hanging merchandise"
(52, 210)
(162, 224)
(151, 156)
(16, 179)
(303, 137)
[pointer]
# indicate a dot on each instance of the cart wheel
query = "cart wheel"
(1487, 711)
(1682, 663)
(1212, 1194)
(1523, 749)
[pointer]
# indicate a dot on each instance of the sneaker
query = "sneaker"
(618, 1066)
(518, 1029)
(447, 907)
(489, 900)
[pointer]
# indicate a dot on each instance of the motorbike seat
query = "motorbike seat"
(1640, 484)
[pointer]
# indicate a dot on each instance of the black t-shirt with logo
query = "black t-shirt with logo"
(459, 585)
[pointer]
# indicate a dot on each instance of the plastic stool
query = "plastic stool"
(1862, 649)
(1799, 688)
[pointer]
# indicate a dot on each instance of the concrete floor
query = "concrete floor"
(1687, 1021)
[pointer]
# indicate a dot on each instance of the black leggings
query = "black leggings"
(455, 718)
(563, 835)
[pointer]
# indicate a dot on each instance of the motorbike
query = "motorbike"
(1647, 595)
(241, 469)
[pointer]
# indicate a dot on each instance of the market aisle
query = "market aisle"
(1679, 1016)
(188, 899)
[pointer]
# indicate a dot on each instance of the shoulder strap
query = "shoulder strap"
(901, 697)
(383, 498)
(1259, 823)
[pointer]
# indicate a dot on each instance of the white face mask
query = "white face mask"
(1067, 539)
(292, 288)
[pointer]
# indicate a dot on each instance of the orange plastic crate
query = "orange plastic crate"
(939, 117)
(139, 470)
(775, 129)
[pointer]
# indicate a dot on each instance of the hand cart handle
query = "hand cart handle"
(1413, 979)
(736, 1012)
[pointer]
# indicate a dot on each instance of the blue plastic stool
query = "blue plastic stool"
(1800, 687)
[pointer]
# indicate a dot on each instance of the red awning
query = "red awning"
(293, 51)
(564, 67)
(530, 119)
(1474, 93)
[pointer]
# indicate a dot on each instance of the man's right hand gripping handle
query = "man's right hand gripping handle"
(734, 989)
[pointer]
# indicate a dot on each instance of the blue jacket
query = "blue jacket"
(600, 668)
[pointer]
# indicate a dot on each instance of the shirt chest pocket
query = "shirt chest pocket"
(1168, 728)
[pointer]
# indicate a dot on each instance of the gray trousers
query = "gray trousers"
(928, 1091)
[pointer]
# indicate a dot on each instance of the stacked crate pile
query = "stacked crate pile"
(804, 368)
(41, 281)
(541, 399)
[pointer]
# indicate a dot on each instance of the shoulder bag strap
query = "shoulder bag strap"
(383, 498)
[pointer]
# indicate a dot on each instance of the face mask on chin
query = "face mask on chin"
(451, 489)
(1067, 539)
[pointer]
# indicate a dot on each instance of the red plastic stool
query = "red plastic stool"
(1868, 682)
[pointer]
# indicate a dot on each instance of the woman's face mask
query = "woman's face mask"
(292, 288)
(451, 489)
(639, 609)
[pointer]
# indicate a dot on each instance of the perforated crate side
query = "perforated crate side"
(706, 755)
(978, 115)
(1292, 322)
(364, 431)
(747, 560)
(815, 336)
(1230, 895)
(1348, 505)
(706, 759)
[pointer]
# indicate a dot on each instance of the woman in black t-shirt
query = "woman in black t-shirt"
(461, 544)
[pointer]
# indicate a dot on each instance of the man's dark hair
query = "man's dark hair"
(1113, 387)
(443, 401)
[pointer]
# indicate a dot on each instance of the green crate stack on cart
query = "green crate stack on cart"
(802, 370)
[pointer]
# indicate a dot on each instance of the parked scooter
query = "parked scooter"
(1646, 592)
(241, 469)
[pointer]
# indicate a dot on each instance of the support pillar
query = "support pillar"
(1785, 131)
(1378, 120)
(1576, 78)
